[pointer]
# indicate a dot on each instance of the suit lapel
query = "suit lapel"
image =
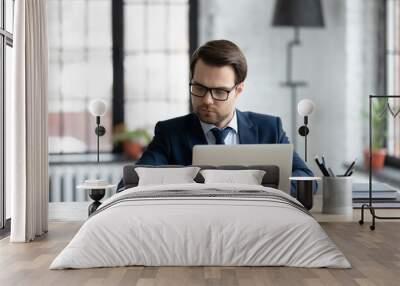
(196, 134)
(248, 134)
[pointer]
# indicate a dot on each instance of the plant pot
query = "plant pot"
(133, 149)
(378, 158)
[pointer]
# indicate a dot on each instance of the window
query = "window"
(86, 42)
(6, 43)
(155, 60)
(80, 69)
(393, 74)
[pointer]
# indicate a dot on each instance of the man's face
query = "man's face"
(208, 109)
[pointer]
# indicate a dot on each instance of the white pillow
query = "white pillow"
(164, 176)
(249, 177)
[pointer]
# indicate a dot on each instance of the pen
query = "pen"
(350, 168)
(325, 170)
(317, 162)
(321, 167)
(331, 172)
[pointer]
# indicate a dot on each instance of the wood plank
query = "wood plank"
(374, 255)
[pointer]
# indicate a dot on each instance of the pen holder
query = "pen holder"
(337, 195)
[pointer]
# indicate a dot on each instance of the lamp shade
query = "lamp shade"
(298, 13)
(305, 107)
(98, 107)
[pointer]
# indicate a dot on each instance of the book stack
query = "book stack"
(383, 195)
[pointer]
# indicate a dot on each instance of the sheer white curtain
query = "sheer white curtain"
(26, 117)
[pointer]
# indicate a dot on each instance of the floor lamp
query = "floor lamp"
(296, 14)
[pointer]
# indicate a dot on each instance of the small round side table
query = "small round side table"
(96, 193)
(304, 190)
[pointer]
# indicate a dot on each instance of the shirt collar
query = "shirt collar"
(232, 124)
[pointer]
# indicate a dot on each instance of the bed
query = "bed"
(201, 224)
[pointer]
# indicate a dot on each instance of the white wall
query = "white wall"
(337, 62)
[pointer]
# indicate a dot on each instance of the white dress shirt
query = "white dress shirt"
(230, 139)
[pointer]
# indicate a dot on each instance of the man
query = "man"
(218, 70)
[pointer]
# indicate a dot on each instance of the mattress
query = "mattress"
(201, 225)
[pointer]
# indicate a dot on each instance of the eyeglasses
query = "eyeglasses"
(220, 94)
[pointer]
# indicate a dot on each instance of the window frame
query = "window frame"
(118, 98)
(6, 39)
(390, 27)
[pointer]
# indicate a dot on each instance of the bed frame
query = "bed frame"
(270, 179)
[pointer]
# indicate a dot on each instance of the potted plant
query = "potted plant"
(379, 132)
(133, 141)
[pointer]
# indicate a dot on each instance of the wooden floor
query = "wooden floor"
(374, 255)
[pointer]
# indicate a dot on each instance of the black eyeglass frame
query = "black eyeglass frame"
(210, 89)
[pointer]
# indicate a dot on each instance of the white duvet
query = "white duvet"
(185, 231)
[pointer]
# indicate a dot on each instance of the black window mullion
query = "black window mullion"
(193, 33)
(193, 26)
(117, 17)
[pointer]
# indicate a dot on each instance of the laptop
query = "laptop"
(280, 155)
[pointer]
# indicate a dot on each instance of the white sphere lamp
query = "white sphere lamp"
(305, 107)
(98, 107)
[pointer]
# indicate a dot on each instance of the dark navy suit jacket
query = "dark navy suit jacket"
(174, 139)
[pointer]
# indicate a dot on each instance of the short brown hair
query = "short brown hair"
(221, 53)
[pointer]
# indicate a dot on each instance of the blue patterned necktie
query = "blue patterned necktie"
(220, 134)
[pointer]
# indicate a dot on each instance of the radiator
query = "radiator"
(63, 180)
